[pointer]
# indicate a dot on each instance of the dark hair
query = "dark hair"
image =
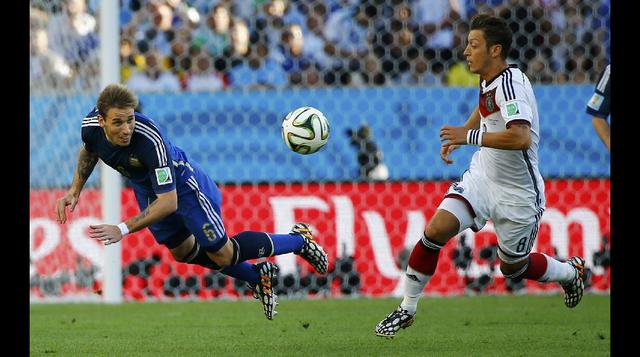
(116, 96)
(496, 31)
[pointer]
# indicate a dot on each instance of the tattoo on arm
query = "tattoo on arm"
(142, 214)
(86, 163)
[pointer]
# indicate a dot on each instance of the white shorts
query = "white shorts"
(516, 225)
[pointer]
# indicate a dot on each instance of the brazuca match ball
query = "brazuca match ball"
(305, 130)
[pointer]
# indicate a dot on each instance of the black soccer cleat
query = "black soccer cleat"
(574, 289)
(263, 291)
(311, 251)
(398, 319)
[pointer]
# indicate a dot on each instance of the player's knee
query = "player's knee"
(442, 227)
(196, 255)
(439, 232)
(223, 256)
(513, 270)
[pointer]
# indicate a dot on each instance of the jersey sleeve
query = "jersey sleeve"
(599, 103)
(154, 154)
(513, 103)
(89, 127)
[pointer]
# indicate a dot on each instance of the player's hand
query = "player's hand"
(445, 151)
(453, 135)
(105, 233)
(61, 204)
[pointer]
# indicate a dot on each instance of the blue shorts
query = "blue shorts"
(199, 201)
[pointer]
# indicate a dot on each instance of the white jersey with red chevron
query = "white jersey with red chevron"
(507, 99)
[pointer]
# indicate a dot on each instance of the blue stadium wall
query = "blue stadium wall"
(236, 136)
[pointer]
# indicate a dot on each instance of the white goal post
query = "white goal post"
(111, 181)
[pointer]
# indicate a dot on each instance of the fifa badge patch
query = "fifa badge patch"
(512, 109)
(163, 176)
(596, 101)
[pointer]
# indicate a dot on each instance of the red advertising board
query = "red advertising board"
(371, 225)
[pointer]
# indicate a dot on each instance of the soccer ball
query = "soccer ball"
(305, 130)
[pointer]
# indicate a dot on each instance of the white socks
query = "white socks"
(557, 271)
(413, 289)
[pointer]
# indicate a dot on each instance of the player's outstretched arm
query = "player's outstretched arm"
(164, 205)
(602, 128)
(86, 163)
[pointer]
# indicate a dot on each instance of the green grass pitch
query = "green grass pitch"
(450, 326)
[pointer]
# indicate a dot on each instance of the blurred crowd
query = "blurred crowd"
(205, 45)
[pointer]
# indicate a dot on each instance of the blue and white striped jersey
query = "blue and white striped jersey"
(600, 102)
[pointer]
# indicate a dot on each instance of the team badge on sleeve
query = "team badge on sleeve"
(596, 101)
(512, 109)
(163, 176)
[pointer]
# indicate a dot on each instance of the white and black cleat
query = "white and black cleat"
(574, 289)
(311, 251)
(398, 319)
(264, 290)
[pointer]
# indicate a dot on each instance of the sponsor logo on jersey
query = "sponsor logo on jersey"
(512, 109)
(163, 176)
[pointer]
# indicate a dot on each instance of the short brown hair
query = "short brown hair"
(496, 31)
(116, 96)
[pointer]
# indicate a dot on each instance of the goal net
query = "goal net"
(219, 79)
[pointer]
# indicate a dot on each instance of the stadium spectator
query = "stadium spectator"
(213, 34)
(503, 183)
(436, 21)
(371, 73)
(599, 107)
(315, 44)
(127, 59)
(256, 70)
(347, 35)
(459, 74)
(539, 70)
(418, 74)
(154, 26)
(291, 57)
(180, 60)
(153, 78)
(570, 36)
(73, 33)
(47, 67)
(393, 41)
(185, 15)
(202, 77)
(272, 18)
(179, 202)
